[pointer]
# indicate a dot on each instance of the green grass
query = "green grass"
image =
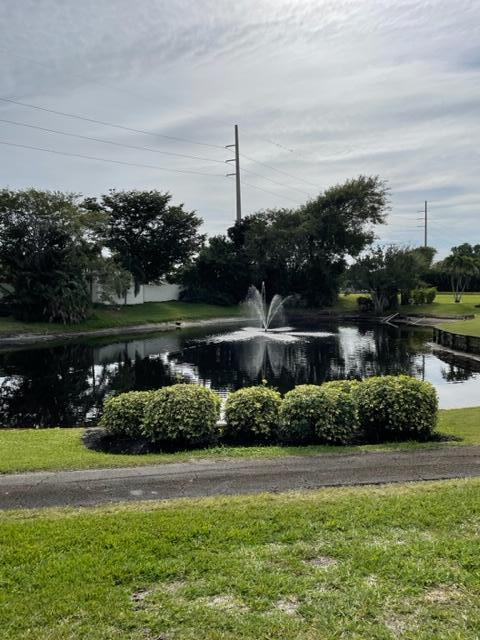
(445, 306)
(381, 563)
(104, 317)
(56, 449)
(463, 327)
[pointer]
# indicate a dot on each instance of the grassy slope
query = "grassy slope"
(444, 305)
(465, 327)
(54, 449)
(373, 562)
(104, 317)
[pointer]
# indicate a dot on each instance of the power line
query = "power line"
(259, 175)
(254, 186)
(137, 95)
(264, 164)
(111, 142)
(110, 124)
(122, 162)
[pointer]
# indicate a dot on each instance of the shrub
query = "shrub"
(123, 414)
(430, 294)
(364, 303)
(396, 408)
(324, 414)
(347, 386)
(423, 295)
(182, 415)
(252, 415)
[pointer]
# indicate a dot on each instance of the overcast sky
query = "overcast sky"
(322, 90)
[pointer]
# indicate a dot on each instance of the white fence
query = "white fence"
(147, 293)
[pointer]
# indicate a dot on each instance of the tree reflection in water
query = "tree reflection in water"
(65, 385)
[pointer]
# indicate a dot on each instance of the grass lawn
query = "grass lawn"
(104, 317)
(355, 563)
(463, 327)
(55, 449)
(445, 306)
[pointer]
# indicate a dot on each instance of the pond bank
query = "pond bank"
(149, 327)
(457, 342)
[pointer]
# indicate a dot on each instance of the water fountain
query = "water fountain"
(257, 301)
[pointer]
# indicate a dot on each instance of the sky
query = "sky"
(322, 91)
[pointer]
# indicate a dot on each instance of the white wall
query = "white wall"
(147, 293)
(161, 292)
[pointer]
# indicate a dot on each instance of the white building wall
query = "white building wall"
(161, 292)
(147, 293)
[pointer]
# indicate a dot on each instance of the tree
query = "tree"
(305, 250)
(150, 237)
(461, 266)
(384, 272)
(220, 274)
(46, 244)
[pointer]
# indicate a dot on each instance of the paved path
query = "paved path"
(226, 477)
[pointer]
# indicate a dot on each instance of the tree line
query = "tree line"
(54, 246)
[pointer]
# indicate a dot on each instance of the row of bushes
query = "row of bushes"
(341, 412)
(423, 295)
(418, 296)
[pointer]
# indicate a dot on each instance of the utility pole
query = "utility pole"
(236, 174)
(426, 226)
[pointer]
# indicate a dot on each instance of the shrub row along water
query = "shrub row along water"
(342, 412)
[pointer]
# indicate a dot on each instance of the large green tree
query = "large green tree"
(50, 255)
(303, 250)
(46, 243)
(151, 237)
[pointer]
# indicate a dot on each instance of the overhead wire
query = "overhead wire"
(110, 142)
(121, 162)
(110, 124)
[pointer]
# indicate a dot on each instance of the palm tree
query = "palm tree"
(460, 268)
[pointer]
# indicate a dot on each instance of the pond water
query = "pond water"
(65, 384)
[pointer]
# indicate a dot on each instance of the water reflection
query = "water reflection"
(65, 385)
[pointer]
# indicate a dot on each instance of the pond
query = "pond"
(65, 384)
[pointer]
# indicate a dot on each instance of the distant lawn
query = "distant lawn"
(463, 327)
(106, 317)
(56, 449)
(444, 305)
(374, 563)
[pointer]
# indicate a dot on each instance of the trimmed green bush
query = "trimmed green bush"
(182, 415)
(123, 414)
(252, 415)
(347, 386)
(324, 414)
(396, 408)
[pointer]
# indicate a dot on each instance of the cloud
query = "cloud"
(322, 90)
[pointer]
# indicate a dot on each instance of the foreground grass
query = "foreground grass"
(56, 449)
(106, 317)
(379, 563)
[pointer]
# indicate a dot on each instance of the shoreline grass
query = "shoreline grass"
(127, 316)
(24, 450)
(370, 562)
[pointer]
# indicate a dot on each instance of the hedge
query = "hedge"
(324, 414)
(377, 409)
(396, 408)
(182, 415)
(252, 415)
(123, 414)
